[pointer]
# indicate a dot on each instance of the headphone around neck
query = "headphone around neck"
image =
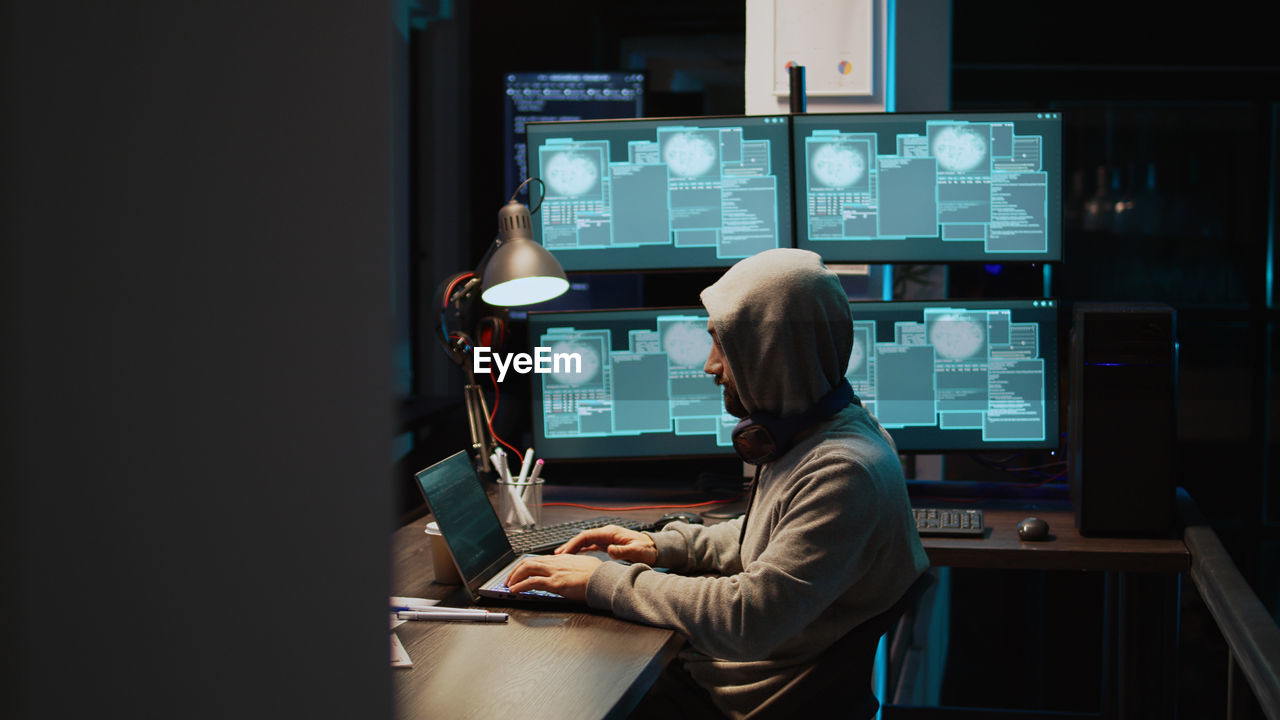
(762, 438)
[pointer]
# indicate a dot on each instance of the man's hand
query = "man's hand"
(565, 575)
(619, 542)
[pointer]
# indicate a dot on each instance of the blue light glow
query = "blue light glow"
(891, 53)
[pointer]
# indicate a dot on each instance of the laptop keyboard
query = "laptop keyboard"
(550, 537)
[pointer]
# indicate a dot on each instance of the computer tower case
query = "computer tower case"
(1123, 418)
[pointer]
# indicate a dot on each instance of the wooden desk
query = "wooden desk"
(1066, 548)
(542, 663)
(1140, 608)
(577, 664)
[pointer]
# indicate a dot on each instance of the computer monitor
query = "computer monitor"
(941, 376)
(638, 392)
(681, 193)
(929, 188)
(533, 97)
(954, 375)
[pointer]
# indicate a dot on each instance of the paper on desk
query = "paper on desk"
(414, 603)
(399, 658)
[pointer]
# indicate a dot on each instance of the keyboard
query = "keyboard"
(550, 537)
(949, 522)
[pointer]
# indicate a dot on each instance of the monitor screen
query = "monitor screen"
(534, 97)
(678, 193)
(929, 188)
(943, 375)
(959, 374)
(638, 390)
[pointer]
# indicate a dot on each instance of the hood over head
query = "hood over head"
(784, 324)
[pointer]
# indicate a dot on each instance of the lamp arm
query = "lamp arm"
(461, 301)
(484, 259)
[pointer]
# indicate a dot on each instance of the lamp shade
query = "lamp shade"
(520, 271)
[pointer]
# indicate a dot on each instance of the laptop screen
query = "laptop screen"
(467, 520)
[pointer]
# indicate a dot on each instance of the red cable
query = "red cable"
(449, 290)
(493, 413)
(642, 507)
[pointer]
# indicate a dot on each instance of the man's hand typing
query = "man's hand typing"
(565, 575)
(619, 542)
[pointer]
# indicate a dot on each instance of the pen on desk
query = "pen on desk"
(441, 609)
(451, 617)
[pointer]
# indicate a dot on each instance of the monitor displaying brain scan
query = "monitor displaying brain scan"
(661, 194)
(630, 385)
(944, 375)
(929, 188)
(959, 374)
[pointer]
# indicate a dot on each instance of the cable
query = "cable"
(445, 300)
(493, 413)
(541, 185)
(642, 507)
(1047, 481)
(1033, 470)
(449, 290)
(958, 501)
(1030, 468)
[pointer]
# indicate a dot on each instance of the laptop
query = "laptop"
(471, 530)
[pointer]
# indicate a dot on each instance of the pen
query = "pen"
(503, 471)
(523, 516)
(524, 467)
(537, 470)
(451, 617)
(435, 608)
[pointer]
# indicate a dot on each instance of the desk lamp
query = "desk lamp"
(515, 270)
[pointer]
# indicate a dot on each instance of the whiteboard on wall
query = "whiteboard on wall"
(833, 39)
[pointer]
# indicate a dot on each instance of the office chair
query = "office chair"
(842, 676)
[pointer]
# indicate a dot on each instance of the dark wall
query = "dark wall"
(197, 223)
(1170, 160)
(1170, 167)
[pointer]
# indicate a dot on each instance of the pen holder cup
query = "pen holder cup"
(441, 561)
(520, 504)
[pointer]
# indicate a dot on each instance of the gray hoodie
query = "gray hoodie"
(829, 542)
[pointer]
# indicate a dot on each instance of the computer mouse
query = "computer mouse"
(1033, 528)
(683, 517)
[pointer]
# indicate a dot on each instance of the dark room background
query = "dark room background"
(212, 209)
(1169, 195)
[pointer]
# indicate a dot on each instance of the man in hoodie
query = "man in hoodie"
(828, 540)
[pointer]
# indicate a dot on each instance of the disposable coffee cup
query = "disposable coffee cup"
(441, 561)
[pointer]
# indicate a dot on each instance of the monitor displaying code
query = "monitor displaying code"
(552, 96)
(661, 194)
(945, 375)
(959, 374)
(929, 188)
(639, 390)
